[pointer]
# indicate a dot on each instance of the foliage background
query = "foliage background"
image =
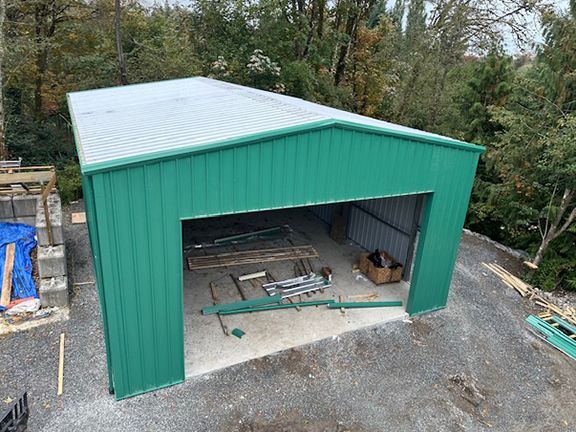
(435, 65)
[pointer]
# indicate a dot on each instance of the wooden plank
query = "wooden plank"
(258, 252)
(215, 301)
(49, 187)
(61, 367)
(238, 287)
(7, 277)
(29, 168)
(79, 218)
(48, 223)
(26, 177)
(251, 257)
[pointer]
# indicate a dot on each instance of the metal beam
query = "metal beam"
(241, 304)
(353, 305)
(275, 307)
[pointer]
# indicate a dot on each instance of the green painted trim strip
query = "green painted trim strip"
(321, 124)
(553, 336)
(439, 140)
(354, 305)
(564, 324)
(75, 133)
(275, 307)
(241, 304)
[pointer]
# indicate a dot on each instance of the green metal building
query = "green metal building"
(154, 155)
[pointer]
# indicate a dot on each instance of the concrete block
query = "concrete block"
(51, 261)
(55, 211)
(54, 291)
(27, 220)
(6, 210)
(24, 205)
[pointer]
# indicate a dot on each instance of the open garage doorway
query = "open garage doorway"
(338, 233)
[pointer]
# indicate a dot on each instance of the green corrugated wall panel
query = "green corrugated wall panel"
(95, 246)
(138, 208)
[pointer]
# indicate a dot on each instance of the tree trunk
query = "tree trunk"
(41, 57)
(351, 27)
(311, 26)
(45, 18)
(320, 26)
(120, 52)
(540, 253)
(3, 152)
(557, 227)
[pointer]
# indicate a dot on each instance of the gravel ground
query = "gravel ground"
(472, 366)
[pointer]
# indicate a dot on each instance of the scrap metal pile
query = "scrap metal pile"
(298, 286)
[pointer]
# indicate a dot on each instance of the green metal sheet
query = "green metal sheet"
(137, 207)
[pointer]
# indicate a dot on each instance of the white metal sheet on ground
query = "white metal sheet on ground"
(119, 122)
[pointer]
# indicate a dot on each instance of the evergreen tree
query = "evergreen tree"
(415, 25)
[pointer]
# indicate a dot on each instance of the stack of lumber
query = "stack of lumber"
(251, 257)
(509, 279)
(526, 290)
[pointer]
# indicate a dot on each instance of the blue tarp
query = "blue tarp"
(25, 238)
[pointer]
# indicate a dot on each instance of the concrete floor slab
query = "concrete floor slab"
(208, 349)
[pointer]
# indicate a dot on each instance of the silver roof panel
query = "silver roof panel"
(119, 122)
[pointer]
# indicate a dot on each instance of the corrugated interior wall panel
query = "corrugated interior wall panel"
(325, 212)
(388, 224)
(138, 211)
(372, 234)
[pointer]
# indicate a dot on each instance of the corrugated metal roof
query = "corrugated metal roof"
(136, 120)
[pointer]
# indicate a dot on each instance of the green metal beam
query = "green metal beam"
(564, 324)
(353, 305)
(274, 307)
(241, 304)
(553, 336)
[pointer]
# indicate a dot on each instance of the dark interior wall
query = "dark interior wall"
(390, 224)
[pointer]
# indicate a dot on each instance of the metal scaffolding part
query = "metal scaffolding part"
(296, 286)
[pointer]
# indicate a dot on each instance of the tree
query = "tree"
(2, 44)
(415, 25)
(122, 76)
(372, 66)
(536, 157)
(558, 100)
(351, 13)
(488, 87)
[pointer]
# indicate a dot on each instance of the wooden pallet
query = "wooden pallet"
(33, 179)
(251, 257)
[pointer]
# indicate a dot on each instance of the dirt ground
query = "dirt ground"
(472, 366)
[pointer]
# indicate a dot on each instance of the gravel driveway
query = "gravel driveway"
(472, 366)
